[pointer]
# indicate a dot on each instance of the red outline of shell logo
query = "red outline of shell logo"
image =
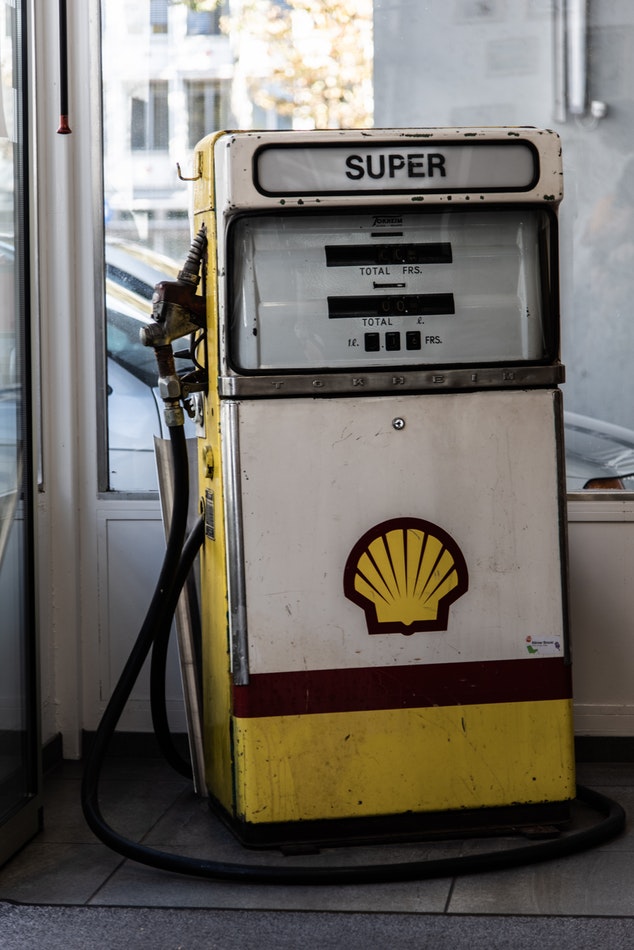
(405, 573)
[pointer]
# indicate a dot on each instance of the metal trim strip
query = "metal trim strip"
(236, 582)
(372, 382)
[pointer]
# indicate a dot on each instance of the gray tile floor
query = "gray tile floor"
(144, 800)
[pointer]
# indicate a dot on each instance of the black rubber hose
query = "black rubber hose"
(164, 593)
(160, 646)
(172, 575)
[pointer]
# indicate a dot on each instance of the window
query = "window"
(158, 16)
(156, 108)
(203, 23)
(19, 747)
(149, 125)
(279, 64)
(207, 108)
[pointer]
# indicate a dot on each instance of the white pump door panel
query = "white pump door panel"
(325, 290)
(316, 475)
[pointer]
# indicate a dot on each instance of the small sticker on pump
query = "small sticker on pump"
(543, 646)
(210, 515)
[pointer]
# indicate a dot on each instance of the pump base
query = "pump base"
(545, 819)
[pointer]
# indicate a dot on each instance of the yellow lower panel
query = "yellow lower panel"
(383, 762)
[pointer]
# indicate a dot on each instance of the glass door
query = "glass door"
(19, 740)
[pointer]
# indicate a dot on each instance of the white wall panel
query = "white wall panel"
(601, 545)
(130, 551)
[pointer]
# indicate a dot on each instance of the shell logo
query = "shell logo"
(405, 573)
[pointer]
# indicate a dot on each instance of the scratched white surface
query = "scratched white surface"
(317, 474)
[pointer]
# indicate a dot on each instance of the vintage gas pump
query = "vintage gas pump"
(384, 568)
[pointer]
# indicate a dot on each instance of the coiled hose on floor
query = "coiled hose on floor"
(179, 557)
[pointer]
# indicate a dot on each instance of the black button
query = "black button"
(372, 342)
(412, 339)
(392, 341)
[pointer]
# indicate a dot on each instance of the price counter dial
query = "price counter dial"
(333, 291)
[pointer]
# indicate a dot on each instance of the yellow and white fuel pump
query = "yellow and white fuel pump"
(384, 568)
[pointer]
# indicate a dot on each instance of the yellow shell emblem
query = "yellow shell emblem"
(405, 574)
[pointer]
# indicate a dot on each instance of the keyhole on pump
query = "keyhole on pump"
(398, 423)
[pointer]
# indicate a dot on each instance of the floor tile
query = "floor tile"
(190, 828)
(623, 796)
(594, 883)
(131, 805)
(612, 774)
(139, 886)
(57, 873)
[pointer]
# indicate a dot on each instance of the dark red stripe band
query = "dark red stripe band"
(403, 687)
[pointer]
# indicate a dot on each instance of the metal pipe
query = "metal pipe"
(235, 550)
(64, 128)
(560, 61)
(184, 616)
(577, 56)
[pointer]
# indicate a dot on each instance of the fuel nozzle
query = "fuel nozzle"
(176, 307)
(190, 274)
(177, 310)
